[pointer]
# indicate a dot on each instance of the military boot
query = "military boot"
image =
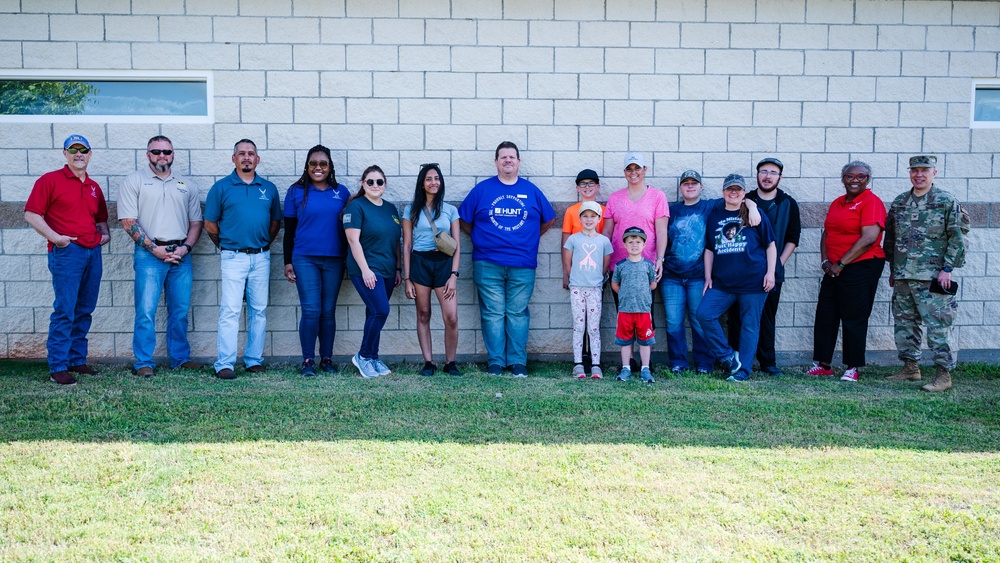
(942, 381)
(910, 372)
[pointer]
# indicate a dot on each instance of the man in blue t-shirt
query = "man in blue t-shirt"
(505, 216)
(242, 217)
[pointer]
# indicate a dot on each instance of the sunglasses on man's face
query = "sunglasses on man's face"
(81, 150)
(379, 182)
(158, 152)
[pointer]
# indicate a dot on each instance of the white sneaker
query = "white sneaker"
(579, 372)
(364, 366)
(850, 375)
(380, 367)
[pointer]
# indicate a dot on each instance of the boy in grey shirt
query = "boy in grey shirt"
(634, 280)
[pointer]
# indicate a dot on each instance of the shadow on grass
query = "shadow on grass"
(549, 407)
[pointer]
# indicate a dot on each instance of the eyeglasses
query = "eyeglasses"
(586, 184)
(158, 152)
(768, 173)
(79, 150)
(379, 182)
(429, 165)
(856, 177)
(319, 163)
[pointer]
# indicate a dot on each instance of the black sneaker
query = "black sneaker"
(494, 369)
(308, 368)
(451, 368)
(429, 369)
(328, 366)
(519, 370)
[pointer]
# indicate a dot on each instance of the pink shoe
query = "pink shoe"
(818, 370)
(850, 375)
(579, 372)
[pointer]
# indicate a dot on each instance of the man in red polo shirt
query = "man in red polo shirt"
(68, 208)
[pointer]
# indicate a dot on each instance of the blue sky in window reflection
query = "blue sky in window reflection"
(987, 104)
(147, 98)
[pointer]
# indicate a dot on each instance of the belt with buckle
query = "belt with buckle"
(249, 250)
(168, 242)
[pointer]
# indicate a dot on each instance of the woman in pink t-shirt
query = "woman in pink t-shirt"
(638, 205)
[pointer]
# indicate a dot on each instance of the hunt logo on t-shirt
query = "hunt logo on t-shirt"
(263, 194)
(508, 212)
(729, 238)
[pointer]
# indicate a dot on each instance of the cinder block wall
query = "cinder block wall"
(707, 84)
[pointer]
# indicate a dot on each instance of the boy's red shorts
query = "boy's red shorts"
(634, 327)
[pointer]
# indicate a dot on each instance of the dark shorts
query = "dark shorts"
(431, 268)
(634, 327)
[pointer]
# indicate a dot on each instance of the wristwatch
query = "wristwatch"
(186, 245)
(946, 269)
(455, 273)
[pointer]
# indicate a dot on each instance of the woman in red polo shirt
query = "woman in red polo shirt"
(853, 260)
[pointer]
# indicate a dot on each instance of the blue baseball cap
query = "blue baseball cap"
(75, 140)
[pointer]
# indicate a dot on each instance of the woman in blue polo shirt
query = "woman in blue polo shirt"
(372, 227)
(315, 249)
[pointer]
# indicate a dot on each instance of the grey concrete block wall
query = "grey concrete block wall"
(706, 84)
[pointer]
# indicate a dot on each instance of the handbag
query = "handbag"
(442, 240)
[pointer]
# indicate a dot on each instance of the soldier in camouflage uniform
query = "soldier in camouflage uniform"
(924, 241)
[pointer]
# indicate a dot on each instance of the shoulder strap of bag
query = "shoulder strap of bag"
(431, 221)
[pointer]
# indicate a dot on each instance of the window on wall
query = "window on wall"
(985, 103)
(123, 97)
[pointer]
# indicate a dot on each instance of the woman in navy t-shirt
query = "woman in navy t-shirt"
(373, 230)
(739, 268)
(315, 249)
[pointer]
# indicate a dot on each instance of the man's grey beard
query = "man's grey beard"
(162, 167)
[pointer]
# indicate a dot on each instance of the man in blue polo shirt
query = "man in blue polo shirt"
(242, 217)
(505, 216)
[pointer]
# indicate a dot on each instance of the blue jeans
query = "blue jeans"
(504, 293)
(152, 275)
(713, 305)
(376, 312)
(318, 279)
(76, 281)
(243, 274)
(682, 296)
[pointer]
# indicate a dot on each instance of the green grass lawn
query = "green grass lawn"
(402, 468)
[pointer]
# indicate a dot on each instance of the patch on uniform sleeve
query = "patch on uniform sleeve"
(964, 222)
(347, 218)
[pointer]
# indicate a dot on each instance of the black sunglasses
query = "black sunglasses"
(319, 163)
(429, 165)
(158, 152)
(379, 182)
(80, 150)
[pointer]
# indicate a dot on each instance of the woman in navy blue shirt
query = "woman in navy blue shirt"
(315, 249)
(739, 268)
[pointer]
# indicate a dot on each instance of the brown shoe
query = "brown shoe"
(259, 368)
(62, 378)
(942, 381)
(191, 365)
(144, 371)
(225, 373)
(84, 369)
(910, 372)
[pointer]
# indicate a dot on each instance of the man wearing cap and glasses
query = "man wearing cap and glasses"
(161, 211)
(924, 242)
(242, 217)
(68, 208)
(782, 212)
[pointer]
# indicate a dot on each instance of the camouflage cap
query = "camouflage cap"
(692, 174)
(923, 161)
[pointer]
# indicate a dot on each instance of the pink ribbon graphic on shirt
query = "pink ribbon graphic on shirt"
(588, 263)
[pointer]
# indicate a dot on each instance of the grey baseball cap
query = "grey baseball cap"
(693, 174)
(734, 180)
(633, 232)
(771, 160)
(591, 206)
